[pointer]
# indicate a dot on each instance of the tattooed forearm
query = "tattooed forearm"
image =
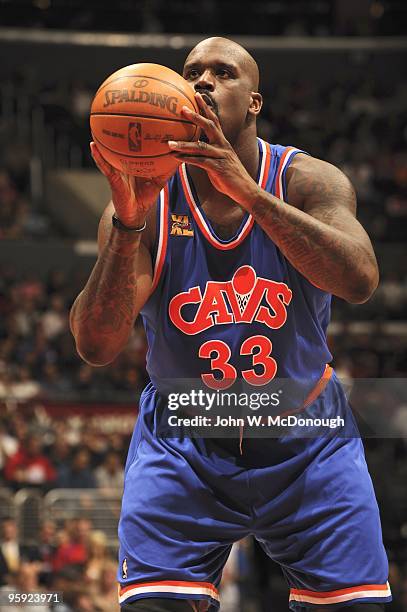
(323, 241)
(104, 312)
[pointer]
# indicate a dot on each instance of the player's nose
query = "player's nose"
(205, 81)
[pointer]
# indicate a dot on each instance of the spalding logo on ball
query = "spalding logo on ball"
(134, 113)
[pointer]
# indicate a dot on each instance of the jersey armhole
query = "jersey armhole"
(280, 187)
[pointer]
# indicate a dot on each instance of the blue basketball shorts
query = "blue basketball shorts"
(310, 504)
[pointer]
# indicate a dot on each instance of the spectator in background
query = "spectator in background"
(54, 321)
(104, 594)
(23, 387)
(69, 582)
(57, 282)
(45, 551)
(95, 443)
(26, 580)
(392, 296)
(79, 474)
(53, 382)
(26, 315)
(83, 602)
(30, 288)
(13, 209)
(60, 452)
(29, 466)
(85, 377)
(72, 549)
(110, 475)
(10, 551)
(229, 589)
(97, 556)
(8, 443)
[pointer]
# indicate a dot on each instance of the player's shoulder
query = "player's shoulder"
(310, 176)
(304, 162)
(305, 167)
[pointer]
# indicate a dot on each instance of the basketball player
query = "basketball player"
(240, 216)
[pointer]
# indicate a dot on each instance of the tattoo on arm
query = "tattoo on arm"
(111, 280)
(105, 311)
(319, 234)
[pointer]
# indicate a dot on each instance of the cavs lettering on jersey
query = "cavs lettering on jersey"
(221, 310)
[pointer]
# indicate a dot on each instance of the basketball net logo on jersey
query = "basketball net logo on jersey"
(236, 301)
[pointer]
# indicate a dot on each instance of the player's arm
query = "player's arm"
(316, 231)
(103, 314)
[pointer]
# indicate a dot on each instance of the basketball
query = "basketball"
(134, 113)
(244, 280)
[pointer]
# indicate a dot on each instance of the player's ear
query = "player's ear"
(256, 102)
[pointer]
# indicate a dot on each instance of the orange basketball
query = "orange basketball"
(134, 113)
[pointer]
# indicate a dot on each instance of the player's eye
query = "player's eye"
(192, 74)
(223, 72)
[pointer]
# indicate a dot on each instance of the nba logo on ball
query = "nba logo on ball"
(145, 109)
(134, 136)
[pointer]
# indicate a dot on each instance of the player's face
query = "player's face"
(220, 77)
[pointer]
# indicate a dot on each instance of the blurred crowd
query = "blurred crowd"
(37, 353)
(74, 555)
(71, 560)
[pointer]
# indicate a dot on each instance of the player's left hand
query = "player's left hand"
(217, 157)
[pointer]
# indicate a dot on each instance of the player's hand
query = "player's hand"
(132, 196)
(225, 170)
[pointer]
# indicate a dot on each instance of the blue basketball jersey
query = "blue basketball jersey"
(222, 310)
(226, 311)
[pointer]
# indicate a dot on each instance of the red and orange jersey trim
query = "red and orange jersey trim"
(200, 219)
(162, 236)
(284, 161)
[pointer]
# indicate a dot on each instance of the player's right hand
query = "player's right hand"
(132, 196)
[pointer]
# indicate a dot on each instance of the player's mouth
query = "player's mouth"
(207, 98)
(209, 101)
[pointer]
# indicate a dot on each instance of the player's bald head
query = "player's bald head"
(230, 50)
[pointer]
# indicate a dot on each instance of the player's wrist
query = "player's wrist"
(133, 225)
(125, 241)
(248, 198)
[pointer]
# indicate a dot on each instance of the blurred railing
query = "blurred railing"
(7, 505)
(100, 506)
(186, 41)
(30, 507)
